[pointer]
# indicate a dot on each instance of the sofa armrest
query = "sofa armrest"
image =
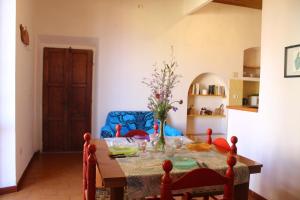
(106, 132)
(171, 131)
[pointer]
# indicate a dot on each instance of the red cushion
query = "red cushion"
(222, 144)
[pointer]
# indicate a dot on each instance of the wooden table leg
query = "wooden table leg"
(117, 193)
(241, 191)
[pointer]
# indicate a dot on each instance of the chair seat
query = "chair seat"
(102, 194)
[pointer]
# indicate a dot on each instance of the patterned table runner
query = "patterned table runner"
(143, 173)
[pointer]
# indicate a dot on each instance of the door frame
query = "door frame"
(58, 42)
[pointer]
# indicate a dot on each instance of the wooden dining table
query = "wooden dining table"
(110, 174)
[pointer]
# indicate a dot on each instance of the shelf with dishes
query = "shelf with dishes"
(200, 89)
(208, 95)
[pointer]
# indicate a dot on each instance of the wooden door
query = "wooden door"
(67, 92)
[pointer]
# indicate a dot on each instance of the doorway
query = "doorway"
(67, 98)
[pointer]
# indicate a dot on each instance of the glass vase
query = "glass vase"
(161, 138)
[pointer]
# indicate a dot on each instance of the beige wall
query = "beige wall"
(271, 136)
(131, 38)
(25, 134)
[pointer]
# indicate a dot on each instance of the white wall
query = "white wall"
(7, 93)
(26, 143)
(275, 140)
(133, 37)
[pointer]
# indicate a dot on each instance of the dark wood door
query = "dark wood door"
(67, 98)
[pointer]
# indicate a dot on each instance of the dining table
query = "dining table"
(138, 175)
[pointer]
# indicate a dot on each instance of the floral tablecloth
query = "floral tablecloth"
(143, 173)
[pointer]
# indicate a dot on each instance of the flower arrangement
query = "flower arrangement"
(161, 83)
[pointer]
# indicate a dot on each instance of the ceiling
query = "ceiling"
(257, 4)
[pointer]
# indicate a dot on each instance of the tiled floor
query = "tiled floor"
(52, 177)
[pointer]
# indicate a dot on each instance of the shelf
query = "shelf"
(252, 67)
(243, 108)
(207, 95)
(251, 79)
(207, 116)
(248, 79)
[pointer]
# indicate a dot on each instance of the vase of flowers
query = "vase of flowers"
(161, 83)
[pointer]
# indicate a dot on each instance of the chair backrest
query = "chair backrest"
(221, 143)
(137, 132)
(198, 178)
(89, 169)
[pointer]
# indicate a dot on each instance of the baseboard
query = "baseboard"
(7, 190)
(256, 196)
(20, 182)
(17, 187)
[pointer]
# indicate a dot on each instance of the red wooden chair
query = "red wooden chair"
(89, 169)
(136, 132)
(198, 178)
(222, 144)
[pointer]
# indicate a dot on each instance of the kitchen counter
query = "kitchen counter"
(243, 108)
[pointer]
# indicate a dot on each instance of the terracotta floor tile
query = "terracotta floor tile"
(51, 177)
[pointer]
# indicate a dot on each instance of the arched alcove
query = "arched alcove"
(251, 64)
(200, 96)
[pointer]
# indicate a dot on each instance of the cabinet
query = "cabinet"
(202, 97)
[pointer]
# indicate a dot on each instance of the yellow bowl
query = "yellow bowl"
(198, 146)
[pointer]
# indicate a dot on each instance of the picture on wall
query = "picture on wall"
(292, 61)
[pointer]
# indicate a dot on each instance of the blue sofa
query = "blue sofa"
(131, 120)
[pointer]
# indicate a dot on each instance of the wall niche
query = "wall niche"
(207, 100)
(251, 65)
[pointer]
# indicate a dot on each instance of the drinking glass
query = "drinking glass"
(170, 150)
(178, 142)
(142, 145)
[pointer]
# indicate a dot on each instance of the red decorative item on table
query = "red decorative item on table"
(209, 132)
(118, 128)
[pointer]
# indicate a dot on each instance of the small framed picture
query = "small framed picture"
(292, 61)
